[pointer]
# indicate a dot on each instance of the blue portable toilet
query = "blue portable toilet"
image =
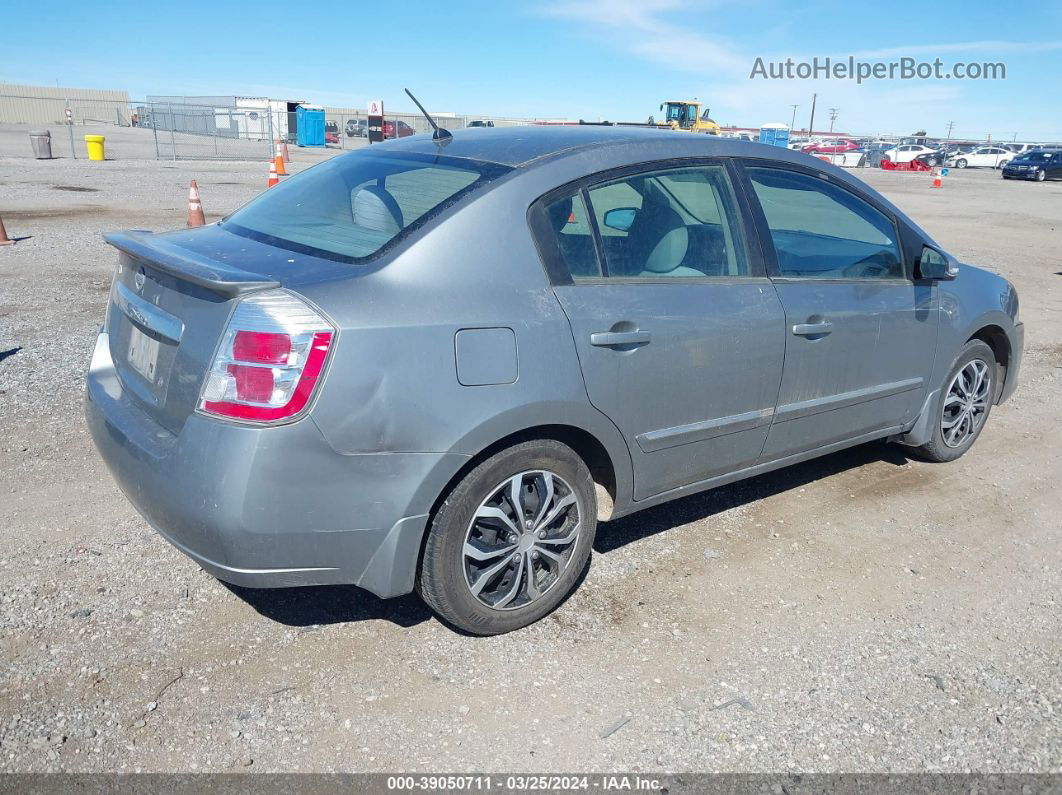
(774, 135)
(310, 125)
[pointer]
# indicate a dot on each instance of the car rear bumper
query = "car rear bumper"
(267, 507)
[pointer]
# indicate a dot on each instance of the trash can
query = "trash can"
(42, 144)
(95, 146)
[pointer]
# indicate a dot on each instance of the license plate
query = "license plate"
(143, 353)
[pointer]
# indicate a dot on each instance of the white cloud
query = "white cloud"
(653, 31)
(981, 48)
(641, 28)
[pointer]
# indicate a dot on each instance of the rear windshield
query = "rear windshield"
(350, 207)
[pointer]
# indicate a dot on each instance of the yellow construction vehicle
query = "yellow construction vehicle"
(685, 115)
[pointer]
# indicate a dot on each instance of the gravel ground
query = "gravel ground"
(861, 612)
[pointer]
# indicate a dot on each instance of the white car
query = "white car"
(854, 159)
(983, 157)
(1020, 149)
(905, 153)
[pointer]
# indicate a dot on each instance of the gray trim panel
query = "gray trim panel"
(806, 408)
(651, 441)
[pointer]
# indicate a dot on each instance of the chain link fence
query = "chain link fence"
(202, 132)
(182, 131)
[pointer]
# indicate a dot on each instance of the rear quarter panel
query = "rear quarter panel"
(393, 382)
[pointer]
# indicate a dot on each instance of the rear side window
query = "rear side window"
(350, 207)
(570, 223)
(822, 231)
(678, 223)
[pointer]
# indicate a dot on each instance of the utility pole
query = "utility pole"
(951, 126)
(792, 122)
(833, 117)
(811, 124)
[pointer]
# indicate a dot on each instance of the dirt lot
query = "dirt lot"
(860, 612)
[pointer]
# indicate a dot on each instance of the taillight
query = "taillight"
(269, 361)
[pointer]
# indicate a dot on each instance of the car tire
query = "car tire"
(961, 163)
(472, 573)
(950, 438)
(1041, 176)
(1002, 164)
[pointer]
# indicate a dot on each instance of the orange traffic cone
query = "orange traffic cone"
(937, 183)
(195, 207)
(4, 239)
(279, 160)
(273, 179)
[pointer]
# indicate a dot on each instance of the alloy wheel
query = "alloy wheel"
(521, 539)
(966, 403)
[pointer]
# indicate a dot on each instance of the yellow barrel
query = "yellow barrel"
(94, 143)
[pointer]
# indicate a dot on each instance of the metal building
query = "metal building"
(41, 105)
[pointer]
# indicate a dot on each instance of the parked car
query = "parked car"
(856, 158)
(1020, 149)
(357, 128)
(831, 146)
(396, 129)
(438, 368)
(905, 153)
(331, 137)
(939, 156)
(981, 157)
(1040, 165)
(875, 151)
(480, 123)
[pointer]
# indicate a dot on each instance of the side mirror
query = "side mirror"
(933, 264)
(621, 218)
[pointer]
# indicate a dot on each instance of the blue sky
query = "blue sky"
(614, 59)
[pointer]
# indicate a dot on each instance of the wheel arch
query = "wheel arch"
(611, 472)
(996, 338)
(610, 468)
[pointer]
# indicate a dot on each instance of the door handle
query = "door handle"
(813, 329)
(608, 339)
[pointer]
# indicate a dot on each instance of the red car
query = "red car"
(831, 146)
(403, 129)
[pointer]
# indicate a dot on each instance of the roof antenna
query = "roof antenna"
(441, 135)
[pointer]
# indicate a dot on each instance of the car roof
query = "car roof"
(518, 146)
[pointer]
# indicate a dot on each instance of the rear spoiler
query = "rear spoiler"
(187, 265)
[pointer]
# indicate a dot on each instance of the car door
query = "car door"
(1053, 168)
(678, 331)
(860, 334)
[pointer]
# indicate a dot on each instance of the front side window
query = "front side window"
(678, 223)
(822, 231)
(349, 207)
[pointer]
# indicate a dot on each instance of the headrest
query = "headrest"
(669, 252)
(376, 209)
